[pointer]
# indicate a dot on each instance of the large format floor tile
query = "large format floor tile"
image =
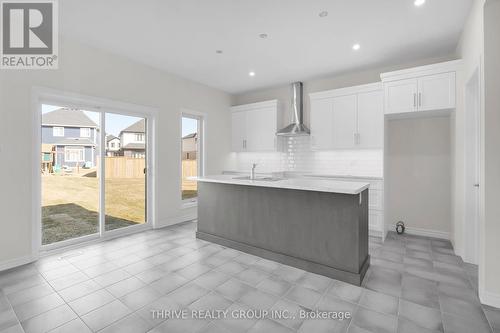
(154, 280)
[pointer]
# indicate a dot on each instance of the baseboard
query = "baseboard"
(490, 299)
(176, 220)
(424, 232)
(12, 263)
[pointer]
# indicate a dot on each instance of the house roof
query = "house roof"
(74, 142)
(189, 136)
(111, 137)
(138, 127)
(67, 117)
(134, 146)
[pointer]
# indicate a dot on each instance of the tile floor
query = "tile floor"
(414, 284)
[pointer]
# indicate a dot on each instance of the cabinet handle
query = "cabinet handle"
(359, 139)
(414, 100)
(419, 99)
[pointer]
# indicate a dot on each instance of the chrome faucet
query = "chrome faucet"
(252, 172)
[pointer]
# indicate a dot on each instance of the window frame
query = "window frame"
(86, 129)
(69, 150)
(200, 152)
(139, 137)
(55, 132)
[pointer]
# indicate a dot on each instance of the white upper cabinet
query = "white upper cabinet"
(238, 130)
(321, 124)
(401, 96)
(254, 126)
(348, 118)
(343, 124)
(371, 119)
(426, 88)
(436, 92)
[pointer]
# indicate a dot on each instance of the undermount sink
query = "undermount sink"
(263, 179)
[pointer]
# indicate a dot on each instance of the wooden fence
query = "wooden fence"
(128, 167)
(189, 169)
(124, 167)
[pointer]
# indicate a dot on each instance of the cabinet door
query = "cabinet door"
(321, 124)
(238, 130)
(344, 127)
(261, 127)
(371, 120)
(436, 92)
(401, 96)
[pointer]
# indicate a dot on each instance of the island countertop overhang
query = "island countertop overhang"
(304, 184)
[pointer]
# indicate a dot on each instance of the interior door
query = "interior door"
(436, 92)
(401, 96)
(321, 124)
(371, 120)
(125, 172)
(238, 130)
(261, 126)
(344, 127)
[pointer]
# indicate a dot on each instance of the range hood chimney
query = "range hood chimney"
(297, 127)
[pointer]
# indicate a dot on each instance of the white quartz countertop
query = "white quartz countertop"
(305, 184)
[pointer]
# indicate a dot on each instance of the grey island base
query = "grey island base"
(318, 231)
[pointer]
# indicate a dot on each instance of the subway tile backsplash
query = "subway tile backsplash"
(297, 156)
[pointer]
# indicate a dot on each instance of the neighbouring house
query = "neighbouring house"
(133, 140)
(189, 146)
(73, 137)
(112, 145)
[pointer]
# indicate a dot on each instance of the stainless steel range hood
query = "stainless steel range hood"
(297, 127)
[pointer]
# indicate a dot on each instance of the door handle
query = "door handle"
(476, 185)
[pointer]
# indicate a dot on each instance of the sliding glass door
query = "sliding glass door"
(93, 173)
(69, 171)
(125, 171)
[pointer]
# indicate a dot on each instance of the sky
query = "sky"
(116, 123)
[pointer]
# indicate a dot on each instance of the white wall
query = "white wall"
(418, 180)
(92, 72)
(470, 50)
(490, 279)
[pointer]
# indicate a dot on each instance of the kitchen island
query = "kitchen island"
(317, 225)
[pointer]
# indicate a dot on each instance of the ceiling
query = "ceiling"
(182, 36)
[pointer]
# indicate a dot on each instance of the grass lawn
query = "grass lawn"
(70, 205)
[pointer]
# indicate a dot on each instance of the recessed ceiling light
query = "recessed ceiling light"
(251, 74)
(356, 47)
(218, 51)
(419, 3)
(263, 36)
(323, 14)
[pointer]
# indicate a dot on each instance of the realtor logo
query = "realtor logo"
(29, 34)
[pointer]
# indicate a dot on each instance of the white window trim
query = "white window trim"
(81, 153)
(85, 132)
(55, 132)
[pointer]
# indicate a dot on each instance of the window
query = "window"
(139, 137)
(58, 131)
(74, 154)
(191, 155)
(112, 145)
(84, 132)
